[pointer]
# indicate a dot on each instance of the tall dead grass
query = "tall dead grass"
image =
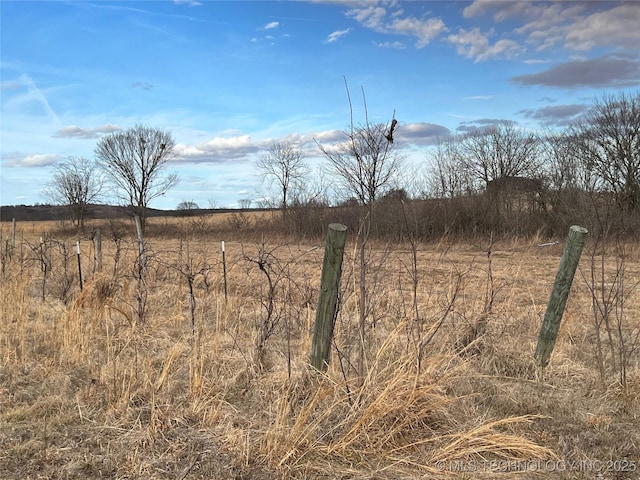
(87, 391)
(399, 421)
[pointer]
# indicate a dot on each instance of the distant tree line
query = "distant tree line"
(501, 178)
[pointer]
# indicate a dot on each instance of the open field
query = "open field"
(150, 373)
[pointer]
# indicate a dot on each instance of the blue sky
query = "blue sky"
(229, 78)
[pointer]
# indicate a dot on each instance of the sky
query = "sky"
(229, 78)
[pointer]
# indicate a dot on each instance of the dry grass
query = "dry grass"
(88, 390)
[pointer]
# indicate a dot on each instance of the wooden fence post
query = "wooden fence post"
(99, 249)
(558, 299)
(13, 233)
(224, 271)
(79, 264)
(141, 263)
(328, 299)
(140, 239)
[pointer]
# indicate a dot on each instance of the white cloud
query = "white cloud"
(324, 136)
(40, 160)
(232, 145)
(370, 16)
(420, 133)
(73, 131)
(579, 26)
(271, 25)
(335, 36)
(374, 17)
(406, 134)
(191, 3)
(474, 44)
(502, 10)
(218, 149)
(618, 26)
(396, 45)
(424, 30)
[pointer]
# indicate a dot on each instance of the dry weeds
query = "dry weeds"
(89, 391)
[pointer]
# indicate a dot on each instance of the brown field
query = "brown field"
(123, 381)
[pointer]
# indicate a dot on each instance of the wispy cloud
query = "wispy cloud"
(397, 45)
(474, 44)
(573, 24)
(393, 21)
(618, 26)
(73, 131)
(191, 3)
(370, 16)
(34, 100)
(143, 85)
(335, 36)
(425, 30)
(11, 85)
(542, 25)
(39, 160)
(271, 25)
(479, 97)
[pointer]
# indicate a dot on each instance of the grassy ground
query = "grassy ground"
(135, 378)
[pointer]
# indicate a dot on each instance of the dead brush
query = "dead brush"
(14, 328)
(400, 421)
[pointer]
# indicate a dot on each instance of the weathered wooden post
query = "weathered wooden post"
(141, 263)
(224, 271)
(328, 300)
(79, 264)
(99, 249)
(558, 299)
(13, 233)
(140, 239)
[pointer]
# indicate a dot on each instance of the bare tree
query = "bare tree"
(447, 175)
(77, 183)
(500, 151)
(245, 203)
(283, 164)
(609, 141)
(134, 160)
(187, 205)
(562, 164)
(568, 178)
(187, 208)
(315, 191)
(366, 162)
